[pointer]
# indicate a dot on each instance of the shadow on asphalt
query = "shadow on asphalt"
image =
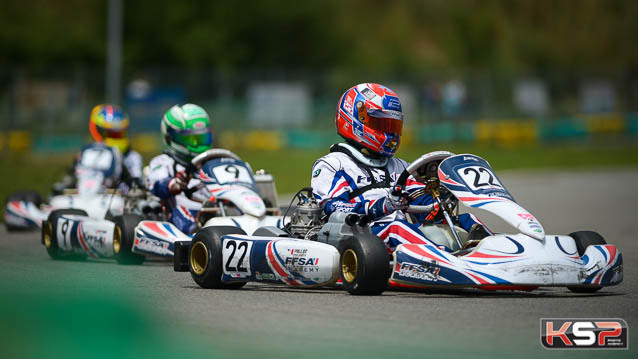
(426, 293)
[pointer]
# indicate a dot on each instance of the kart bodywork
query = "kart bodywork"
(229, 194)
(219, 257)
(527, 259)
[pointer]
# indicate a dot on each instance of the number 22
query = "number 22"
(477, 176)
(236, 247)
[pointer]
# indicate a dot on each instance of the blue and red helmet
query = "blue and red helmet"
(370, 116)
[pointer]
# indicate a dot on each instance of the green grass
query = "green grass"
(292, 168)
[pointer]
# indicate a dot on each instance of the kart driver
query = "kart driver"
(186, 133)
(357, 175)
(110, 154)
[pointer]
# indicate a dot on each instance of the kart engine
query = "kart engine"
(143, 203)
(306, 220)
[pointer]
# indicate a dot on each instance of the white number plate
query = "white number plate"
(236, 257)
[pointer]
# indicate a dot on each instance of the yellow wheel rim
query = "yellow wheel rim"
(48, 233)
(117, 240)
(349, 265)
(199, 258)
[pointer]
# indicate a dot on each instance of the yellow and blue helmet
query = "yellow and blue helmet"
(109, 124)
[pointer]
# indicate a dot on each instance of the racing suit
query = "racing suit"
(162, 169)
(117, 169)
(341, 181)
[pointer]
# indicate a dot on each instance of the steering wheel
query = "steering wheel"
(213, 153)
(425, 170)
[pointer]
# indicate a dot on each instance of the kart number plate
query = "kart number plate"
(479, 178)
(63, 234)
(236, 257)
(228, 174)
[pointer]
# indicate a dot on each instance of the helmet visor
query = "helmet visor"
(384, 121)
(112, 133)
(194, 140)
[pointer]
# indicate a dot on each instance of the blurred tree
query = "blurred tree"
(375, 36)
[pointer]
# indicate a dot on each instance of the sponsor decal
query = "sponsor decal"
(369, 94)
(265, 276)
(580, 333)
(393, 103)
(426, 271)
(95, 240)
(317, 172)
(199, 125)
(301, 261)
(349, 103)
(533, 223)
(366, 179)
(298, 262)
(342, 206)
(392, 144)
(468, 158)
(152, 245)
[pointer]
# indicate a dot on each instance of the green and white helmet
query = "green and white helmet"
(186, 131)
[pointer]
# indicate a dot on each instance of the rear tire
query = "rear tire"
(205, 257)
(583, 240)
(123, 238)
(27, 196)
(49, 234)
(365, 268)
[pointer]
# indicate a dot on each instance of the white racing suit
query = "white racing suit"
(117, 169)
(183, 210)
(342, 182)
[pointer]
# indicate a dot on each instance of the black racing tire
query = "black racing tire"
(583, 240)
(364, 264)
(50, 230)
(123, 238)
(27, 196)
(205, 257)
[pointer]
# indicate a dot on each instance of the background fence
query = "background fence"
(273, 109)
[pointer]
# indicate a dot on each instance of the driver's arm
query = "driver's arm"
(159, 176)
(418, 196)
(133, 164)
(331, 186)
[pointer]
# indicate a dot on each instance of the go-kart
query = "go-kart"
(228, 193)
(581, 261)
(315, 251)
(91, 195)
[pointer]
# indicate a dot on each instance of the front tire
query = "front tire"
(50, 230)
(123, 238)
(364, 262)
(583, 240)
(205, 257)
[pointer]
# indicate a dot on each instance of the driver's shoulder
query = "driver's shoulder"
(161, 160)
(398, 163)
(334, 160)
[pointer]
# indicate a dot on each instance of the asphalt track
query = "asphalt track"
(275, 321)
